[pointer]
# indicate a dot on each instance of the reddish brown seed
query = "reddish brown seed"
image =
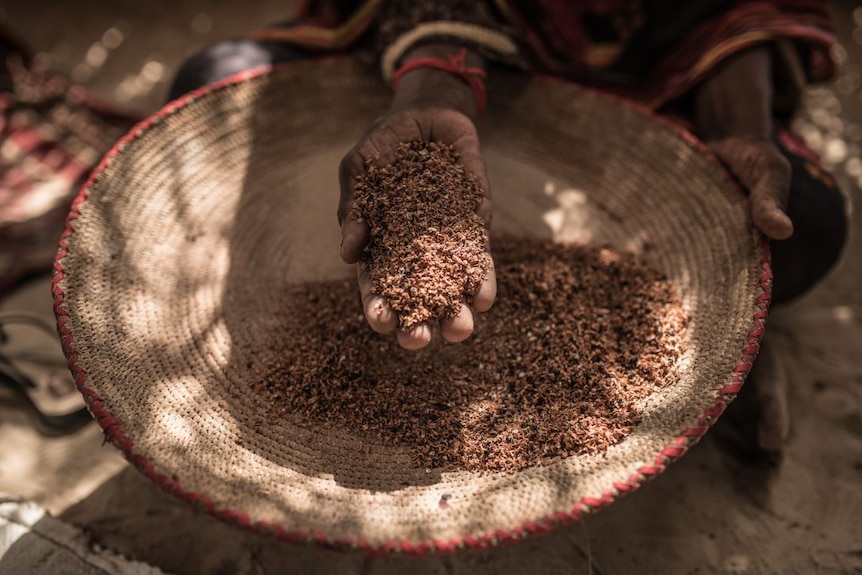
(427, 253)
(577, 336)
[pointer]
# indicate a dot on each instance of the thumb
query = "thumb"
(355, 233)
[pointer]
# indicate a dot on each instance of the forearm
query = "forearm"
(737, 99)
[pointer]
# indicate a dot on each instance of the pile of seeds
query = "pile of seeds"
(428, 248)
(577, 336)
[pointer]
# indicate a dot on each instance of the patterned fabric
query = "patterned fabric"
(656, 51)
(649, 51)
(51, 135)
(389, 28)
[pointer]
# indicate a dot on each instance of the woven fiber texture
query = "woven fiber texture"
(187, 236)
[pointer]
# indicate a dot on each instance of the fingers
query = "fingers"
(485, 212)
(454, 330)
(769, 182)
(484, 298)
(354, 237)
(769, 202)
(765, 172)
(354, 233)
(416, 338)
(458, 328)
(378, 314)
(382, 319)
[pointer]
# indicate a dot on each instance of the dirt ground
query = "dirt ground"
(708, 513)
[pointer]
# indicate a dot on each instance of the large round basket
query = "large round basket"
(180, 245)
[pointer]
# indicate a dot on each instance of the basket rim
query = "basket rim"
(115, 434)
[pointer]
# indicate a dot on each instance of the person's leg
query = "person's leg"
(227, 58)
(820, 225)
(819, 217)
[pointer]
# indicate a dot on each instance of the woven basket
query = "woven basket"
(182, 241)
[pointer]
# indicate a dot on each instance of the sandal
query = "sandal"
(41, 382)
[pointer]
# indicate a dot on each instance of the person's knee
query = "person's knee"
(820, 232)
(219, 61)
(825, 228)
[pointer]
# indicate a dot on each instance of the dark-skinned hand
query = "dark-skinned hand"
(734, 118)
(428, 105)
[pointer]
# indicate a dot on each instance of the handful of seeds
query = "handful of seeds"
(428, 249)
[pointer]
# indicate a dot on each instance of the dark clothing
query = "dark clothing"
(651, 51)
(816, 206)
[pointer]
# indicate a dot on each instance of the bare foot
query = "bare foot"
(769, 380)
(755, 427)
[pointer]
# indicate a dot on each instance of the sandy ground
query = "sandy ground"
(709, 513)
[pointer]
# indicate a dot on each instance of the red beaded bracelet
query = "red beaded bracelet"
(456, 64)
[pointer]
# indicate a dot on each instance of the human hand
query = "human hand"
(417, 113)
(762, 169)
(733, 115)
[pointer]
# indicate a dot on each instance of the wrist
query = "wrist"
(427, 87)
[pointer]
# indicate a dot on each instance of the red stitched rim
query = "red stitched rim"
(114, 431)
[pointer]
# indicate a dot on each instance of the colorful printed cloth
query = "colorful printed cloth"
(52, 134)
(649, 51)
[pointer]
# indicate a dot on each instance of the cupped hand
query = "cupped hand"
(378, 147)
